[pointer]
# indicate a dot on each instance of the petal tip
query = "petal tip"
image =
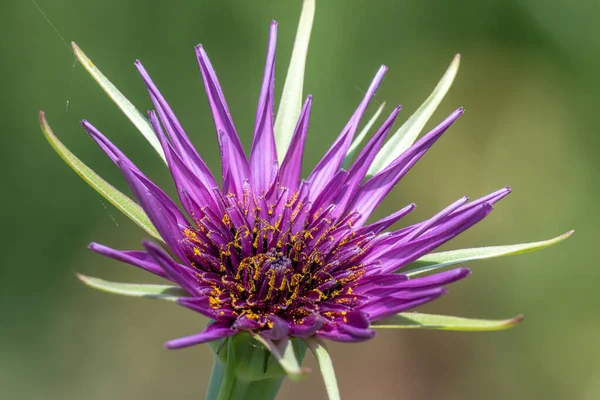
(168, 345)
(148, 245)
(200, 51)
(487, 206)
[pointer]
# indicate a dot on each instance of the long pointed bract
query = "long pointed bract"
(291, 97)
(136, 117)
(406, 135)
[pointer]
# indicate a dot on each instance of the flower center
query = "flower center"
(290, 262)
(273, 273)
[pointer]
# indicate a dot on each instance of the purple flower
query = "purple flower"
(271, 253)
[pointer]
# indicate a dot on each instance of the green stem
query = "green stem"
(237, 376)
(224, 385)
(216, 379)
(263, 389)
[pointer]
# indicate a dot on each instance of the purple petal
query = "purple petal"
(188, 281)
(307, 326)
(374, 282)
(351, 327)
(491, 198)
(280, 329)
(337, 335)
(291, 167)
(375, 189)
(202, 305)
(390, 306)
(358, 334)
(329, 193)
(246, 324)
(162, 212)
(331, 162)
(263, 155)
(233, 157)
(393, 257)
(121, 160)
(185, 179)
(361, 165)
(107, 146)
(424, 226)
(384, 223)
(139, 259)
(181, 143)
(388, 295)
(439, 279)
(214, 331)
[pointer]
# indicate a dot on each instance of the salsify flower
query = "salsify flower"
(272, 256)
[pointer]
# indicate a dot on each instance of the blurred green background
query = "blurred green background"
(528, 82)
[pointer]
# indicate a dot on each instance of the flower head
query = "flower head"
(274, 258)
(277, 255)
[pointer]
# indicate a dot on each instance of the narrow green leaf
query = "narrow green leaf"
(163, 292)
(115, 197)
(317, 346)
(361, 136)
(406, 135)
(284, 353)
(434, 261)
(413, 320)
(290, 104)
(217, 378)
(136, 117)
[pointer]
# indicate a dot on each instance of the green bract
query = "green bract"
(134, 115)
(162, 292)
(406, 135)
(317, 346)
(115, 197)
(434, 261)
(251, 368)
(291, 100)
(414, 320)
